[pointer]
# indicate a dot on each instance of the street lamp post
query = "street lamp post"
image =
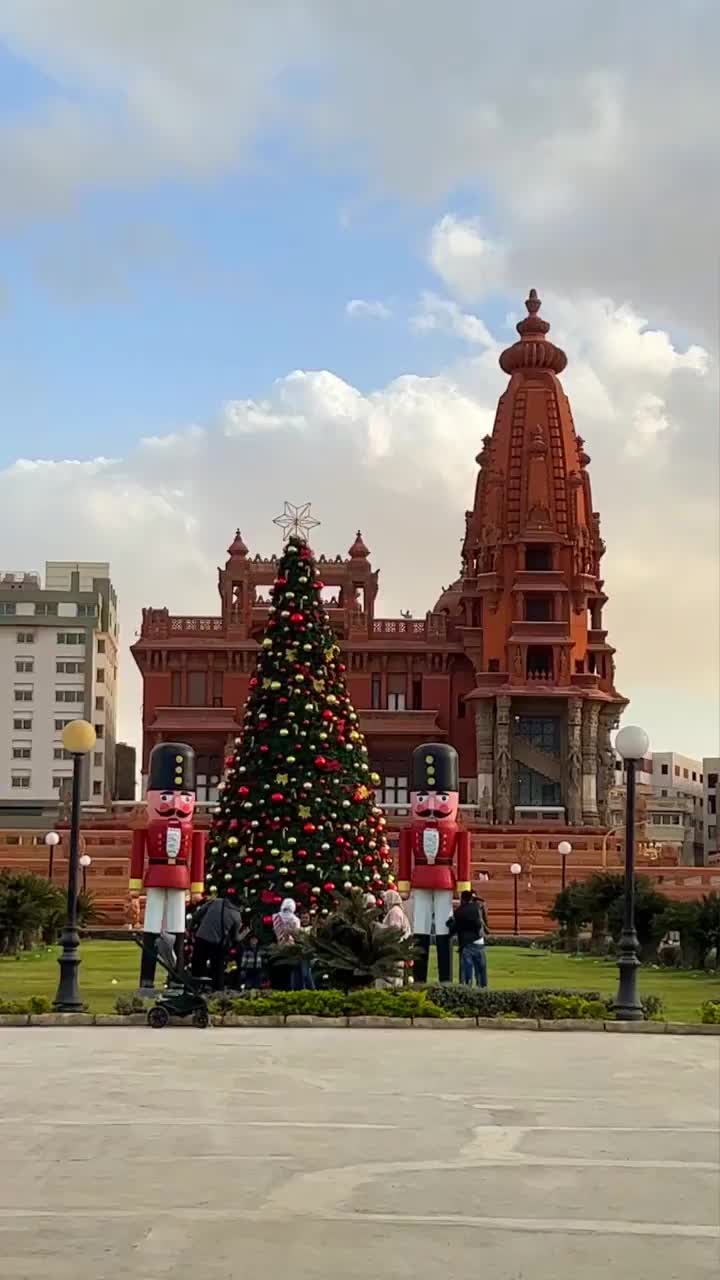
(515, 870)
(52, 841)
(632, 744)
(85, 861)
(78, 738)
(564, 849)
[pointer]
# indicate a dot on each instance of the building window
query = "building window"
(494, 664)
(70, 637)
(101, 646)
(539, 661)
(99, 731)
(69, 695)
(60, 725)
(540, 731)
(417, 694)
(98, 759)
(538, 609)
(664, 769)
(207, 779)
(99, 676)
(97, 788)
(175, 689)
(59, 753)
(538, 558)
(25, 637)
(87, 611)
(196, 686)
(461, 707)
(48, 609)
(395, 791)
(663, 794)
(686, 773)
(23, 695)
(579, 666)
(396, 697)
(100, 703)
(712, 805)
(24, 666)
(23, 723)
(70, 668)
(21, 751)
(694, 776)
(59, 779)
(376, 692)
(21, 781)
(7, 608)
(712, 780)
(677, 770)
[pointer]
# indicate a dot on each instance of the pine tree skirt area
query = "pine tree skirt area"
(110, 969)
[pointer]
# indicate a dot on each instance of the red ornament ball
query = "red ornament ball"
(320, 762)
(328, 886)
(243, 791)
(297, 618)
(309, 827)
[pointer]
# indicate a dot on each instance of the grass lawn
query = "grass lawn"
(36, 973)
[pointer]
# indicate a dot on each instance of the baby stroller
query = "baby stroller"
(186, 996)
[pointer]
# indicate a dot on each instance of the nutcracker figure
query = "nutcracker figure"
(434, 856)
(168, 856)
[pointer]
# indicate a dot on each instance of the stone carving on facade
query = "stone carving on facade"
(485, 807)
(503, 761)
(563, 672)
(574, 762)
(606, 763)
(590, 720)
(518, 661)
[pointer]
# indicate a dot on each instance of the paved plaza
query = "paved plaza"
(129, 1154)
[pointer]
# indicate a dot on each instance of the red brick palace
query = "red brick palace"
(511, 664)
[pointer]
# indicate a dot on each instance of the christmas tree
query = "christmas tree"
(296, 816)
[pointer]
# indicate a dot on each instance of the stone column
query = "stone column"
(606, 763)
(484, 726)
(590, 717)
(574, 778)
(503, 761)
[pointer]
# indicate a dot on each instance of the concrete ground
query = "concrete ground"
(130, 1154)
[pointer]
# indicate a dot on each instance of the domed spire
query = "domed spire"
(358, 550)
(533, 351)
(237, 547)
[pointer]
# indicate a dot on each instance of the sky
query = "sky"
(269, 250)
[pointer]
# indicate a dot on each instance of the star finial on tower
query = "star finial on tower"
(296, 521)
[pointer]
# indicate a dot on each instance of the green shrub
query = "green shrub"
(473, 1002)
(35, 1004)
(710, 1012)
(575, 1006)
(329, 1004)
(127, 1005)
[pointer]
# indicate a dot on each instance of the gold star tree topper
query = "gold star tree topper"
(296, 521)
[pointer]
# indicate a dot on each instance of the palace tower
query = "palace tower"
(530, 602)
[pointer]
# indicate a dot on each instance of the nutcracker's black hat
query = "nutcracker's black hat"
(171, 767)
(435, 767)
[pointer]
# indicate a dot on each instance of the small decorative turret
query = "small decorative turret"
(533, 351)
(358, 550)
(237, 549)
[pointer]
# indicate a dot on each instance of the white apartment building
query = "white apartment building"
(58, 662)
(711, 770)
(676, 785)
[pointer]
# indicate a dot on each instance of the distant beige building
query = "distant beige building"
(671, 792)
(711, 770)
(58, 662)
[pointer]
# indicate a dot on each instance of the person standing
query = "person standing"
(217, 926)
(469, 925)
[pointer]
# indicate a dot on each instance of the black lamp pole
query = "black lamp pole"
(627, 1002)
(515, 886)
(67, 999)
(564, 871)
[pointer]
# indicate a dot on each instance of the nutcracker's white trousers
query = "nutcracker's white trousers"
(164, 911)
(431, 905)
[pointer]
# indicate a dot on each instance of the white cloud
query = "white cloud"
(469, 262)
(442, 315)
(373, 309)
(398, 463)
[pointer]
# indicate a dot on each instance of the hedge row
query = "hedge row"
(34, 1004)
(428, 1002)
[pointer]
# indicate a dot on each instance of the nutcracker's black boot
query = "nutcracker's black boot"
(422, 955)
(443, 957)
(149, 959)
(179, 952)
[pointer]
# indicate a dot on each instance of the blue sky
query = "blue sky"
(193, 196)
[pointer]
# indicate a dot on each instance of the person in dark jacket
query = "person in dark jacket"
(469, 925)
(217, 926)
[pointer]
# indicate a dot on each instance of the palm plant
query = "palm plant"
(349, 946)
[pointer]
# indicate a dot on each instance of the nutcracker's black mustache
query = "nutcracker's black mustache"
(433, 813)
(173, 813)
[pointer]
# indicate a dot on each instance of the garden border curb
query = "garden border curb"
(368, 1022)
